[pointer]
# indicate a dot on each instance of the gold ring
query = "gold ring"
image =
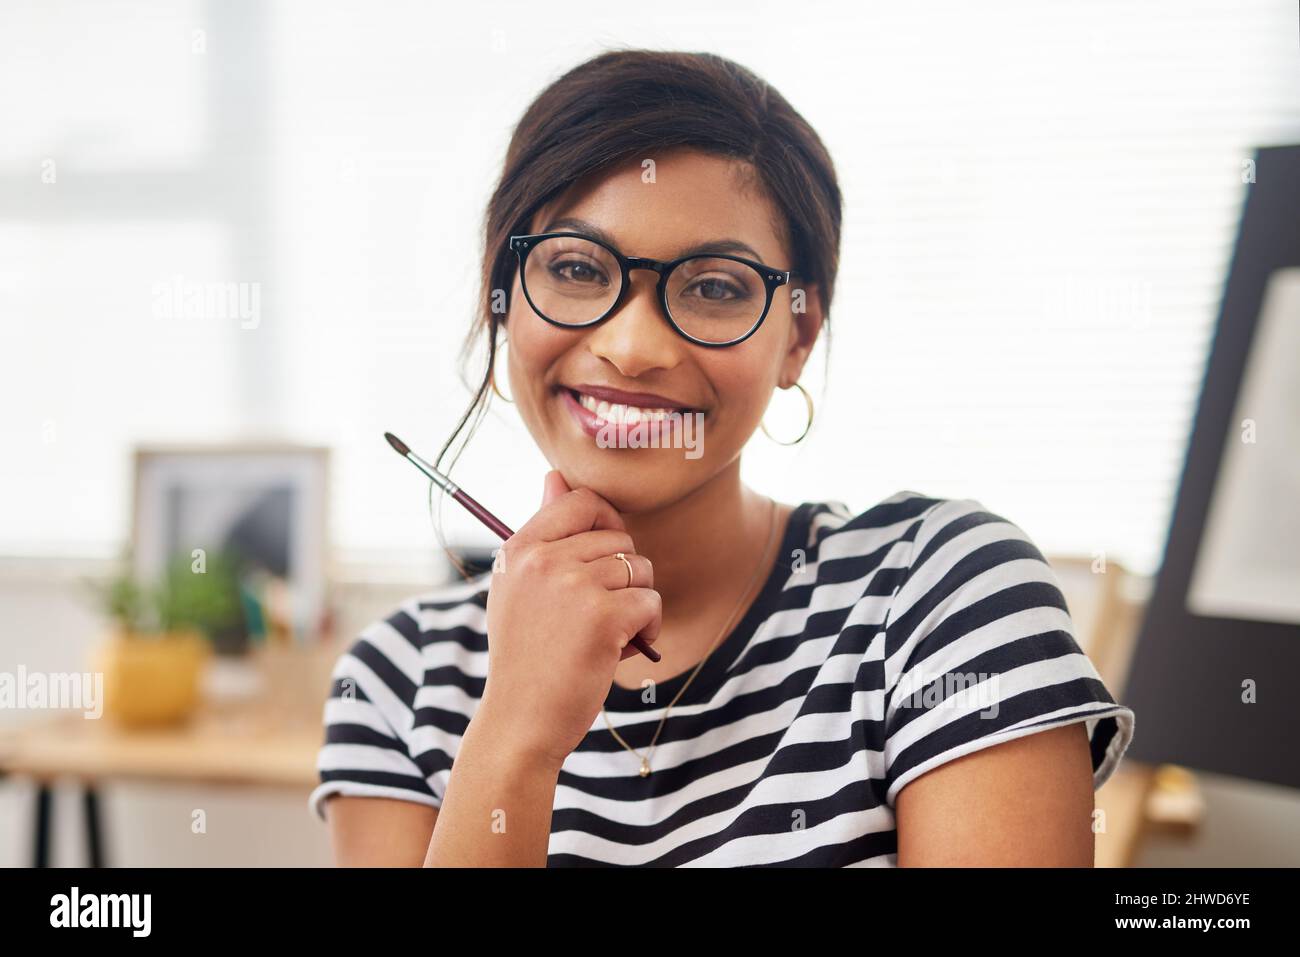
(623, 558)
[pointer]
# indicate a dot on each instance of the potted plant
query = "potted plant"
(154, 656)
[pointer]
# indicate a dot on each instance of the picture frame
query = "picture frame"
(260, 507)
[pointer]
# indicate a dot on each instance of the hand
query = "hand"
(560, 616)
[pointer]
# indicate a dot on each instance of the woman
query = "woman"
(898, 686)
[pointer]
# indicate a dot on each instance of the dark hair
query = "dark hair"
(627, 103)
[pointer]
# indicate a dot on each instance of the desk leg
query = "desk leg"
(44, 811)
(94, 843)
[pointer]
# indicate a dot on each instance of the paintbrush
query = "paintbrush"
(482, 514)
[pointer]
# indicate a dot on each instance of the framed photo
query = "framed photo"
(257, 511)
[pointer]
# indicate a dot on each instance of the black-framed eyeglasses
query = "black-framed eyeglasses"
(711, 299)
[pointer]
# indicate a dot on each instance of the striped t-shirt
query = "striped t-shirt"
(882, 645)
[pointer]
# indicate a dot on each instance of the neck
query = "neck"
(704, 546)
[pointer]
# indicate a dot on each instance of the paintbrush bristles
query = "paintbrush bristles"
(446, 484)
(397, 443)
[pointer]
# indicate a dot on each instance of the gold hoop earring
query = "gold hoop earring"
(809, 403)
(492, 376)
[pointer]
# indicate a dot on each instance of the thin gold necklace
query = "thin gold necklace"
(645, 758)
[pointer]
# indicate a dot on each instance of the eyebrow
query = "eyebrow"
(569, 223)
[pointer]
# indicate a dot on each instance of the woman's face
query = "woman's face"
(694, 198)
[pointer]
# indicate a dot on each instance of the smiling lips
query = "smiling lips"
(595, 406)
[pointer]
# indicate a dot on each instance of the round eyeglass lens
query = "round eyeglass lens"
(714, 299)
(570, 280)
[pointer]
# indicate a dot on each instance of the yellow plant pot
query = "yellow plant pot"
(151, 679)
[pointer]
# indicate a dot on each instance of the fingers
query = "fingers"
(585, 527)
(589, 546)
(612, 573)
(553, 486)
(637, 613)
(580, 510)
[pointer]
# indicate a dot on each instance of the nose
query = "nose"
(635, 338)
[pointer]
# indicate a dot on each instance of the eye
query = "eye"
(715, 289)
(577, 271)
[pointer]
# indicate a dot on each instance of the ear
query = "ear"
(806, 322)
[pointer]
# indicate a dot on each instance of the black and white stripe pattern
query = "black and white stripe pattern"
(883, 645)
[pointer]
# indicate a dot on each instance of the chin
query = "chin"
(630, 479)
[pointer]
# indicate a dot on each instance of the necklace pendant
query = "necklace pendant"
(645, 768)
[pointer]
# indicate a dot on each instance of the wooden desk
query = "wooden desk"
(253, 744)
(208, 750)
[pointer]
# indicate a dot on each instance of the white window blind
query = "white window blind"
(1041, 200)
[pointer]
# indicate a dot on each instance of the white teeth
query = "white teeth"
(625, 414)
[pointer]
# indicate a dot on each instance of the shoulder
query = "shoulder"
(922, 522)
(391, 655)
(966, 568)
(912, 550)
(375, 729)
(833, 536)
(961, 553)
(979, 647)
